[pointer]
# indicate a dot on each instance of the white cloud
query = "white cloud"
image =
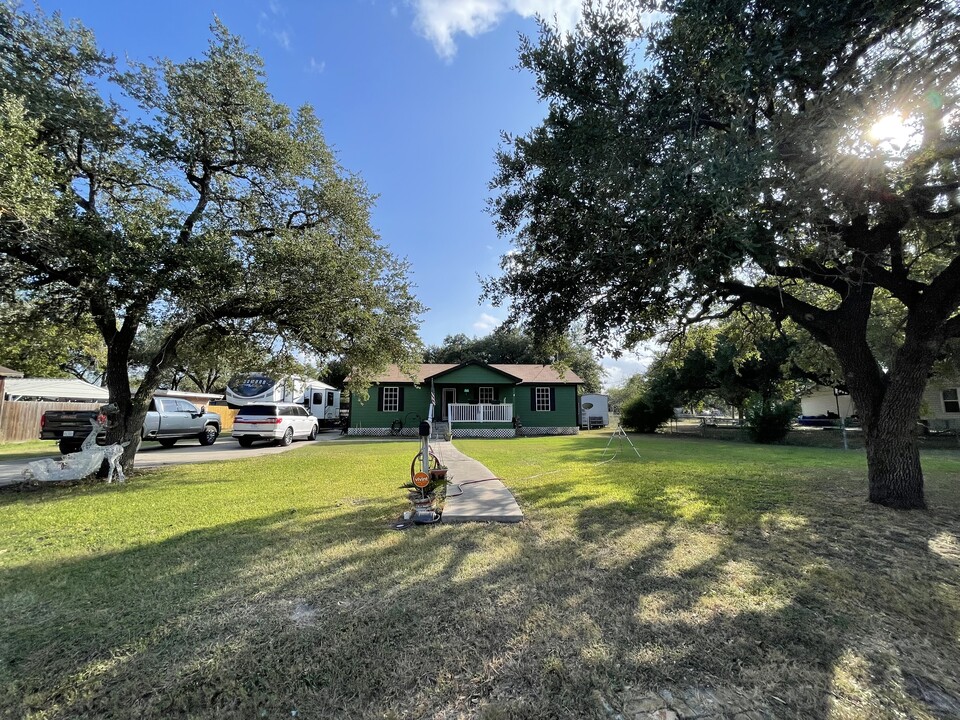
(316, 67)
(271, 23)
(486, 323)
(441, 20)
(282, 37)
(627, 365)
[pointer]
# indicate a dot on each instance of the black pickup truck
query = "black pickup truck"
(168, 420)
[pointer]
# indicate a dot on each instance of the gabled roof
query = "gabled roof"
(522, 374)
(496, 368)
(7, 372)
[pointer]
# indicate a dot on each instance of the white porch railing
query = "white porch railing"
(482, 413)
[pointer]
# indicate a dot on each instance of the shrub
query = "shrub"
(769, 421)
(647, 412)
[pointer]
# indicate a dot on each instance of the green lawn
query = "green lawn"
(724, 577)
(28, 449)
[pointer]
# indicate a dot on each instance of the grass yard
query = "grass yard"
(28, 449)
(707, 577)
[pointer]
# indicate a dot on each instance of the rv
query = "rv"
(321, 400)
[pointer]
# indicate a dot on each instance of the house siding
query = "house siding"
(416, 400)
(822, 401)
(932, 408)
(563, 415)
(366, 419)
(473, 375)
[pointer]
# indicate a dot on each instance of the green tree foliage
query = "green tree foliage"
(186, 198)
(647, 411)
(768, 420)
(510, 345)
(208, 358)
(739, 164)
(620, 395)
(39, 345)
(334, 373)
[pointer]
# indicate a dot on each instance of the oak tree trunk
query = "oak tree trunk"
(889, 408)
(893, 467)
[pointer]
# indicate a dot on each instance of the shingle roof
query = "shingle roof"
(7, 372)
(526, 373)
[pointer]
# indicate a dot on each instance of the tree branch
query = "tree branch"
(816, 321)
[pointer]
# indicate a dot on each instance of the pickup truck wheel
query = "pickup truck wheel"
(287, 438)
(209, 435)
(168, 442)
(245, 441)
(68, 447)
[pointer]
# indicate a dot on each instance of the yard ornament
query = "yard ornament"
(84, 463)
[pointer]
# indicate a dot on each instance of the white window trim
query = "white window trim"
(542, 398)
(394, 401)
(492, 395)
(944, 401)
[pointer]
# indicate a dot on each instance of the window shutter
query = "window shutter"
(553, 399)
(496, 394)
(379, 399)
(400, 398)
(533, 398)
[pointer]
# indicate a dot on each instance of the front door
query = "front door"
(449, 396)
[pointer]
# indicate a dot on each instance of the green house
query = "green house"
(471, 399)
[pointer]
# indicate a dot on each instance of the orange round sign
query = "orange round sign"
(421, 479)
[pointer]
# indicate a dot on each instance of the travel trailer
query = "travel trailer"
(321, 400)
(594, 411)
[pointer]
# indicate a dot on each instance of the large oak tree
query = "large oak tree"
(183, 197)
(741, 162)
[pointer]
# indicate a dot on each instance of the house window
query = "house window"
(543, 399)
(391, 399)
(951, 400)
(486, 395)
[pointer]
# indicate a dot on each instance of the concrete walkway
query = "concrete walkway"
(469, 501)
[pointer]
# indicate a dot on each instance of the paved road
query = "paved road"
(151, 454)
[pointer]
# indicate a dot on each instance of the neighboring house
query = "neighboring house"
(940, 409)
(472, 400)
(55, 390)
(941, 405)
(823, 401)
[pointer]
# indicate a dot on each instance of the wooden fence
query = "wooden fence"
(20, 419)
(226, 416)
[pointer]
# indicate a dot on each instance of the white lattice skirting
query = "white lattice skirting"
(481, 433)
(470, 432)
(534, 431)
(384, 432)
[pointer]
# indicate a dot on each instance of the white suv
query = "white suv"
(279, 422)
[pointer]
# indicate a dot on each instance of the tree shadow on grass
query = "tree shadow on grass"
(336, 615)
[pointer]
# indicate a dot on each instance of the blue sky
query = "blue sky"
(413, 95)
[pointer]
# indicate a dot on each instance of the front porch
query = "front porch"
(480, 420)
(479, 413)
